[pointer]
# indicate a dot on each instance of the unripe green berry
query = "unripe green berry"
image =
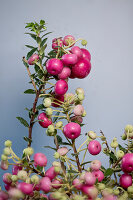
(84, 42)
(4, 157)
(35, 179)
(130, 189)
(51, 128)
(14, 178)
(49, 111)
(8, 143)
(59, 124)
(84, 114)
(79, 91)
(47, 102)
(119, 154)
(57, 169)
(7, 151)
(28, 151)
(114, 144)
(56, 164)
(131, 135)
(22, 175)
(28, 180)
(101, 186)
(57, 195)
(56, 155)
(129, 128)
(92, 135)
(81, 97)
(124, 136)
(116, 192)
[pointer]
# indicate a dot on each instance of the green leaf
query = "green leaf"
(32, 35)
(39, 168)
(108, 172)
(42, 22)
(122, 148)
(38, 39)
(40, 107)
(31, 47)
(55, 118)
(72, 171)
(25, 63)
(42, 49)
(59, 139)
(23, 121)
(43, 42)
(27, 139)
(46, 34)
(75, 154)
(50, 148)
(81, 125)
(30, 53)
(29, 91)
(113, 158)
(85, 163)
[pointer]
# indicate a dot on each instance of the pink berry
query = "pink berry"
(33, 58)
(7, 186)
(46, 122)
(40, 159)
(4, 165)
(50, 173)
(99, 175)
(61, 87)
(26, 188)
(63, 151)
(45, 184)
(125, 180)
(68, 39)
(78, 110)
(57, 42)
(127, 162)
(69, 59)
(72, 130)
(76, 50)
(90, 191)
(90, 179)
(110, 197)
(86, 54)
(81, 69)
(57, 103)
(72, 75)
(7, 178)
(95, 165)
(65, 73)
(36, 187)
(77, 183)
(54, 66)
(57, 183)
(77, 119)
(94, 147)
(16, 169)
(44, 195)
(3, 195)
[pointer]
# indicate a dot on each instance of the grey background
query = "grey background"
(107, 26)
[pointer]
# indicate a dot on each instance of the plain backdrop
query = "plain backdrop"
(107, 25)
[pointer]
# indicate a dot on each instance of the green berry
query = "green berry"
(22, 175)
(124, 136)
(35, 179)
(130, 189)
(28, 151)
(79, 91)
(81, 97)
(59, 124)
(84, 114)
(14, 178)
(92, 135)
(56, 164)
(49, 111)
(114, 144)
(57, 169)
(7, 151)
(8, 143)
(84, 42)
(116, 192)
(4, 157)
(56, 155)
(119, 154)
(47, 102)
(51, 128)
(129, 128)
(101, 186)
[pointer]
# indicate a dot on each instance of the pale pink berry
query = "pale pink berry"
(61, 87)
(90, 191)
(95, 165)
(4, 165)
(3, 195)
(99, 175)
(45, 184)
(125, 180)
(78, 110)
(54, 66)
(90, 179)
(45, 121)
(40, 159)
(15, 193)
(26, 188)
(110, 197)
(77, 183)
(72, 130)
(68, 40)
(76, 50)
(32, 59)
(86, 54)
(94, 147)
(65, 73)
(69, 59)
(63, 151)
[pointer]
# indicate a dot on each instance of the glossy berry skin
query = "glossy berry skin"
(67, 39)
(81, 69)
(127, 162)
(69, 59)
(63, 151)
(46, 122)
(40, 159)
(57, 42)
(77, 183)
(26, 188)
(54, 66)
(86, 54)
(33, 58)
(78, 110)
(55, 181)
(72, 130)
(16, 169)
(90, 179)
(61, 87)
(45, 184)
(125, 180)
(56, 103)
(99, 175)
(65, 73)
(94, 147)
(90, 191)
(76, 50)
(95, 165)
(50, 173)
